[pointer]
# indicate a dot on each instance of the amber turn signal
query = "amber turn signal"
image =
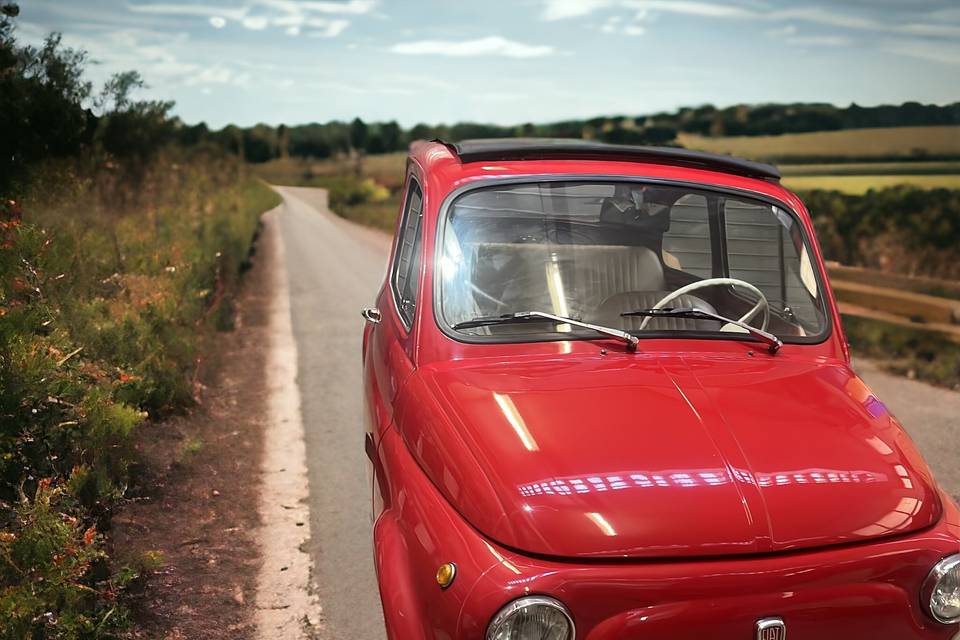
(445, 574)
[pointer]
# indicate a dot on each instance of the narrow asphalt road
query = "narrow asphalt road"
(335, 268)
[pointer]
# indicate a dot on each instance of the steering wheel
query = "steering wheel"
(762, 303)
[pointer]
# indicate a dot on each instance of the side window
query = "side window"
(686, 245)
(406, 267)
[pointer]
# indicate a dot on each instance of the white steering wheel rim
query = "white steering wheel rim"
(762, 302)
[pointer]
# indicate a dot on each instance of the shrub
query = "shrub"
(52, 583)
(903, 229)
(346, 191)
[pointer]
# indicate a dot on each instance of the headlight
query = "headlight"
(532, 618)
(941, 591)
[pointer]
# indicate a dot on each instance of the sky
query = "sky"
(507, 61)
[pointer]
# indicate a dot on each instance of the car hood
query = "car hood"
(662, 456)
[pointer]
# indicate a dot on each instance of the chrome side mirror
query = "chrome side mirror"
(371, 315)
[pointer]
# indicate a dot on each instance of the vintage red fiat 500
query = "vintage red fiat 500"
(609, 397)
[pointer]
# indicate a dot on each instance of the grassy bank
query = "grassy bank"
(109, 283)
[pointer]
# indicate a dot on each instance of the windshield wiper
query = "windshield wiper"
(773, 342)
(539, 316)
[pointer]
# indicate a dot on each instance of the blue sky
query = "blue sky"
(508, 61)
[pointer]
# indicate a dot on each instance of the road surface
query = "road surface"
(335, 268)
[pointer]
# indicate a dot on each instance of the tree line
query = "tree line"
(262, 142)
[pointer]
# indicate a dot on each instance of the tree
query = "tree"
(42, 94)
(392, 136)
(422, 132)
(132, 129)
(359, 133)
(283, 141)
(259, 143)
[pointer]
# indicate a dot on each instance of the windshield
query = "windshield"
(596, 251)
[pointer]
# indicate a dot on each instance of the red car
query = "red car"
(609, 397)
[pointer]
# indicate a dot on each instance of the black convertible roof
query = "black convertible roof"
(503, 149)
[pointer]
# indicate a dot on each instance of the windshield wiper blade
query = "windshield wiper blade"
(773, 342)
(539, 316)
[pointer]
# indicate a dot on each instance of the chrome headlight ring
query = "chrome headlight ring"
(551, 610)
(940, 595)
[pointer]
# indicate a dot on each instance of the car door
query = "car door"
(388, 338)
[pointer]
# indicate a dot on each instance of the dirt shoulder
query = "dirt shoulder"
(198, 497)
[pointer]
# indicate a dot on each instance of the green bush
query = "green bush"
(52, 582)
(346, 191)
(902, 229)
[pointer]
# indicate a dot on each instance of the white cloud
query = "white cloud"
(691, 7)
(156, 55)
(217, 74)
(203, 11)
(353, 7)
(616, 24)
(327, 28)
(256, 23)
(612, 24)
(489, 46)
(925, 50)
(289, 15)
(946, 25)
(819, 41)
(562, 9)
(819, 15)
(946, 30)
(782, 32)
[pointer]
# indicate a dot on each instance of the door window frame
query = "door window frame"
(396, 294)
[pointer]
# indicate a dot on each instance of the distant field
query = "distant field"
(848, 177)
(857, 178)
(871, 168)
(860, 184)
(895, 142)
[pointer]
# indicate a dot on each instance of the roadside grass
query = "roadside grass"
(828, 146)
(915, 354)
(110, 279)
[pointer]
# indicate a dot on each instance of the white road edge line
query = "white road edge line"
(286, 606)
